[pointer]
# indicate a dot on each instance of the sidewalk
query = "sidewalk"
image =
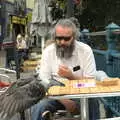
(13, 78)
(22, 75)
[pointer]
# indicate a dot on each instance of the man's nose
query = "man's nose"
(62, 41)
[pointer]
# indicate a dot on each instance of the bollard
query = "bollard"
(84, 37)
(111, 38)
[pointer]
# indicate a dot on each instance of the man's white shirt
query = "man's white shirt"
(82, 57)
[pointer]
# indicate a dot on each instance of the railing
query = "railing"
(116, 65)
(100, 58)
(108, 59)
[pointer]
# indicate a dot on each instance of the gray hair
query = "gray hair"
(75, 21)
(65, 23)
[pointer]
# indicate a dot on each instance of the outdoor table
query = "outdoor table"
(85, 89)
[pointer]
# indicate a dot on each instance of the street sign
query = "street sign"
(18, 20)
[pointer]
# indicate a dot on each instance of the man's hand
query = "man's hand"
(65, 71)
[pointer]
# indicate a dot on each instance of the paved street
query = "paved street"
(22, 75)
(12, 76)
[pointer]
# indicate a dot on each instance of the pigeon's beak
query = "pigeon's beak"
(62, 84)
(54, 82)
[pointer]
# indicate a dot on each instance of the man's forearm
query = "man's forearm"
(73, 77)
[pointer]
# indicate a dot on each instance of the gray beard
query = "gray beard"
(64, 51)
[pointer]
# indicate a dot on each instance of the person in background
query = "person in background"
(21, 44)
(85, 37)
(21, 48)
(69, 59)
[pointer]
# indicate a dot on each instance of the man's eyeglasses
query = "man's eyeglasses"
(65, 38)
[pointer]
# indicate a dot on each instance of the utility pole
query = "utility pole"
(70, 8)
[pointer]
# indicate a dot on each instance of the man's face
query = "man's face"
(64, 42)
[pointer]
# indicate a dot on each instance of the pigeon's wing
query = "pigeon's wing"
(20, 99)
(19, 83)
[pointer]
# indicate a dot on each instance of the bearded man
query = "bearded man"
(60, 59)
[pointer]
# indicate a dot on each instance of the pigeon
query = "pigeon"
(23, 94)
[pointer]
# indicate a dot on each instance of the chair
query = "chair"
(71, 112)
(65, 115)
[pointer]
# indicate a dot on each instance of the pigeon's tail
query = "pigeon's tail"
(54, 82)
